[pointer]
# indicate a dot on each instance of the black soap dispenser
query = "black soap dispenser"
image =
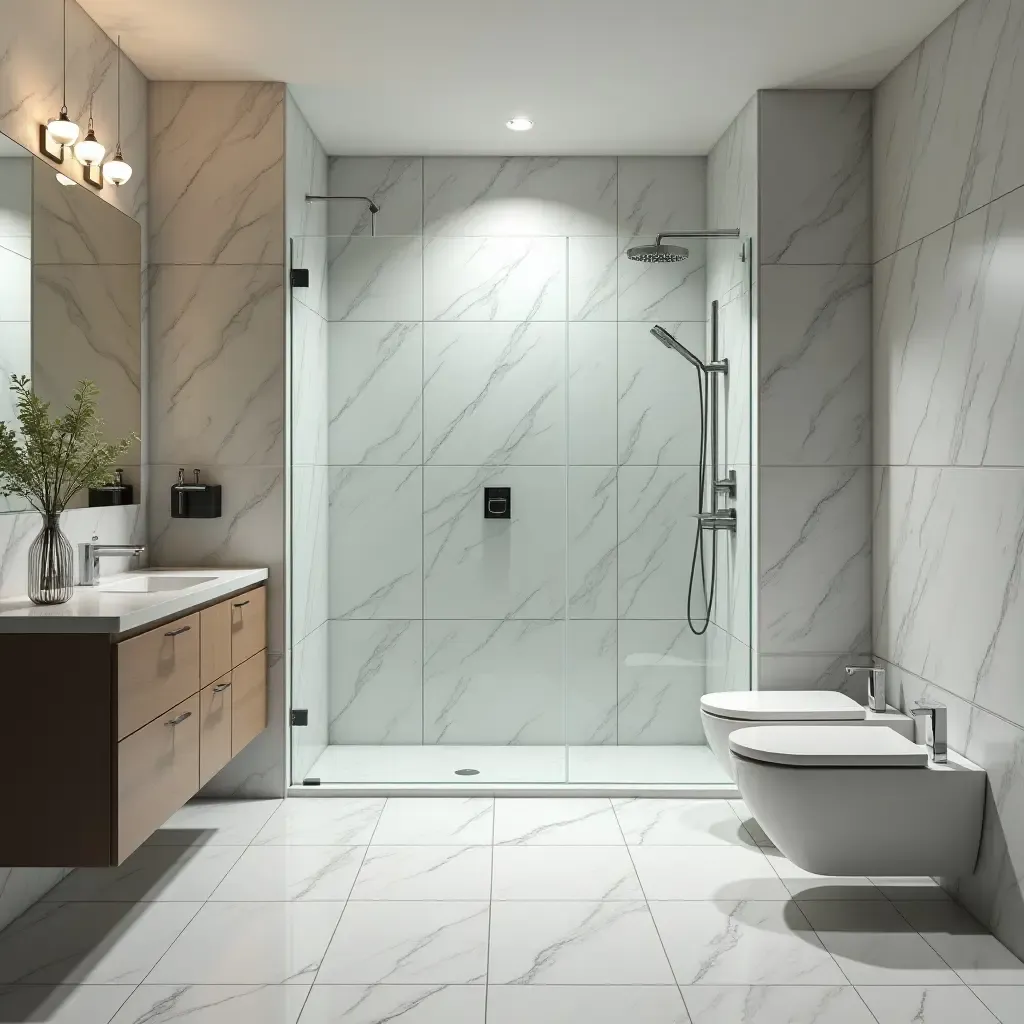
(195, 500)
(115, 493)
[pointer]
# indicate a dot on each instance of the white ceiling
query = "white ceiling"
(597, 76)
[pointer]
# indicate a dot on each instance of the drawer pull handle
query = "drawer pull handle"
(178, 632)
(181, 718)
(221, 687)
(241, 604)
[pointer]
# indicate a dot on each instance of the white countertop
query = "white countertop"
(99, 610)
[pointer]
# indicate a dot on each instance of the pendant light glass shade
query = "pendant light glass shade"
(62, 129)
(117, 170)
(90, 150)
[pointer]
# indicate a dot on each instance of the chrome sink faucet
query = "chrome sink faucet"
(89, 556)
(876, 684)
(936, 717)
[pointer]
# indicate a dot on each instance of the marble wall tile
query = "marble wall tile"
(949, 549)
(659, 407)
(815, 559)
(309, 690)
(395, 184)
(593, 264)
(217, 373)
(376, 681)
(593, 412)
(663, 291)
(309, 386)
(375, 278)
(815, 365)
(736, 343)
(591, 685)
(305, 173)
(661, 193)
(217, 153)
(813, 672)
(375, 384)
(593, 542)
(493, 682)
(948, 138)
(15, 289)
(495, 278)
(376, 544)
(494, 568)
(814, 170)
(309, 252)
(949, 348)
(662, 669)
(494, 394)
(729, 661)
(310, 573)
(656, 532)
(519, 195)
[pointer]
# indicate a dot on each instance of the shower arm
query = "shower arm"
(374, 208)
(708, 233)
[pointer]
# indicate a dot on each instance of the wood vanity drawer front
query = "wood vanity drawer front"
(248, 701)
(248, 625)
(156, 671)
(214, 728)
(215, 642)
(157, 772)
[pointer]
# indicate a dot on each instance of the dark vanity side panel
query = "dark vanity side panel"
(56, 750)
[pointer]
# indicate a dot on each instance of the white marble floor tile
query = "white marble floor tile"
(806, 885)
(776, 1004)
(575, 944)
(647, 822)
(184, 874)
(403, 943)
(62, 1004)
(291, 873)
(525, 821)
(335, 822)
(215, 822)
(90, 943)
(1005, 1001)
(213, 1004)
(249, 944)
(916, 1004)
(592, 1004)
(978, 957)
(747, 820)
(743, 942)
(441, 821)
(564, 873)
(425, 873)
(410, 1004)
(706, 873)
(874, 945)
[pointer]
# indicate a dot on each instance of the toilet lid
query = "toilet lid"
(840, 746)
(783, 705)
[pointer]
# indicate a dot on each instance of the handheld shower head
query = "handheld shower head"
(669, 342)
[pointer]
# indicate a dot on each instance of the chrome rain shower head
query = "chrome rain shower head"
(658, 253)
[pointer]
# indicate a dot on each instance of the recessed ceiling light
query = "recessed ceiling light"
(519, 124)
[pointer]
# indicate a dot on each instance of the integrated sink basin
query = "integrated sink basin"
(157, 583)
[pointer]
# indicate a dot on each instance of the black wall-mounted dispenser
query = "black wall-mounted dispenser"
(195, 500)
(117, 492)
(497, 503)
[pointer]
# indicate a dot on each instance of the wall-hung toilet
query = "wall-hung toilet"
(722, 713)
(845, 800)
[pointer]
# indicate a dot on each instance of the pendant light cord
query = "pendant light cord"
(118, 93)
(64, 55)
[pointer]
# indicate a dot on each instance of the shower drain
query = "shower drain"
(466, 771)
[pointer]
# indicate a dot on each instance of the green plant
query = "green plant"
(50, 460)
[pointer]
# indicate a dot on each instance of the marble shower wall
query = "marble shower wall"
(494, 333)
(306, 228)
(814, 415)
(217, 375)
(949, 425)
(30, 91)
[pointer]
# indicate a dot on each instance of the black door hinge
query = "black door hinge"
(300, 278)
(300, 716)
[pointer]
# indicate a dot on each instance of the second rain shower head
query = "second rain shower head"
(658, 253)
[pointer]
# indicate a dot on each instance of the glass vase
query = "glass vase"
(51, 564)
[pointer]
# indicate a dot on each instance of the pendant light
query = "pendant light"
(62, 129)
(90, 150)
(118, 170)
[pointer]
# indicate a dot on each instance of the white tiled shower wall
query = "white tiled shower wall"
(494, 333)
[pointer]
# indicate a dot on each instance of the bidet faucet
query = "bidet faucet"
(89, 556)
(876, 684)
(936, 717)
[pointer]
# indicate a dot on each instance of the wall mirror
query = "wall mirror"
(70, 298)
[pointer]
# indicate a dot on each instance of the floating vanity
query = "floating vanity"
(121, 704)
